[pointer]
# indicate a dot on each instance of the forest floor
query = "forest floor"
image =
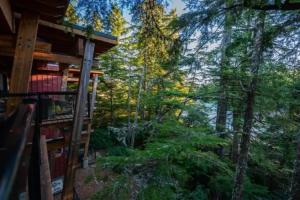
(91, 180)
(86, 183)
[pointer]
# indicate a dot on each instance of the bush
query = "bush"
(101, 139)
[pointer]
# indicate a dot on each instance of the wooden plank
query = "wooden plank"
(23, 58)
(42, 46)
(94, 95)
(93, 72)
(57, 58)
(89, 130)
(73, 79)
(46, 188)
(78, 120)
(6, 16)
(9, 42)
(45, 56)
(53, 144)
(7, 51)
(80, 47)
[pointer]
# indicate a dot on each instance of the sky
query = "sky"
(178, 5)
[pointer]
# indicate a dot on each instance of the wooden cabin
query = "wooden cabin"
(47, 98)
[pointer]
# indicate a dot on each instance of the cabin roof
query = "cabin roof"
(61, 37)
(50, 10)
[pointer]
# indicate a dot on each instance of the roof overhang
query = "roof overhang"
(64, 39)
(50, 10)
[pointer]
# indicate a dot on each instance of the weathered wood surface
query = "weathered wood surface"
(80, 47)
(89, 129)
(42, 54)
(46, 189)
(78, 120)
(23, 58)
(57, 58)
(9, 42)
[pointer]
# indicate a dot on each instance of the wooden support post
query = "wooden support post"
(80, 47)
(89, 129)
(78, 120)
(46, 189)
(22, 64)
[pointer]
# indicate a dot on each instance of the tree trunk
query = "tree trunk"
(111, 94)
(111, 106)
(128, 103)
(295, 189)
(137, 109)
(225, 62)
(249, 113)
(236, 126)
(144, 84)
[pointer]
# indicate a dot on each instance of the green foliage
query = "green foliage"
(199, 193)
(101, 139)
(177, 162)
(88, 179)
(169, 171)
(118, 190)
(164, 96)
(117, 151)
(156, 192)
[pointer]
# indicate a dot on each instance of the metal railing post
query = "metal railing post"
(34, 185)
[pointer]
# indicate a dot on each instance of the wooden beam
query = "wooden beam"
(46, 189)
(93, 72)
(80, 46)
(6, 16)
(77, 32)
(71, 79)
(42, 46)
(22, 64)
(57, 58)
(45, 56)
(89, 130)
(9, 42)
(78, 120)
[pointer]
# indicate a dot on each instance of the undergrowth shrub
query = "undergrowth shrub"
(176, 162)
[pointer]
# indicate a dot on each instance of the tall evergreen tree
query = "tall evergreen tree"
(256, 62)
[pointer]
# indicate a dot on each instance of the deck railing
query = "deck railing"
(15, 133)
(23, 127)
(55, 106)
